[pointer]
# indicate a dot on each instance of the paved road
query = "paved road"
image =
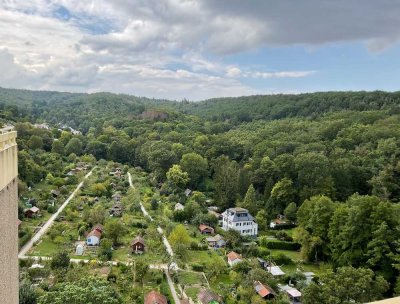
(24, 250)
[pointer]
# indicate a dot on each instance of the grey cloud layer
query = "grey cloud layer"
(162, 48)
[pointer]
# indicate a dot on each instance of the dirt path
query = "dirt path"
(24, 250)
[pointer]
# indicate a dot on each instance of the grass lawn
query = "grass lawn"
(46, 248)
(294, 255)
(190, 278)
(192, 292)
(202, 257)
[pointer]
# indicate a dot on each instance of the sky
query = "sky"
(200, 49)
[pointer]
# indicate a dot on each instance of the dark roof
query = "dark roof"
(154, 297)
(239, 215)
(205, 296)
(136, 240)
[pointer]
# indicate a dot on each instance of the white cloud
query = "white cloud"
(172, 48)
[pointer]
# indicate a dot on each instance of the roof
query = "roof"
(56, 192)
(154, 297)
(136, 240)
(262, 290)
(215, 238)
(261, 260)
(233, 256)
(203, 227)
(206, 296)
(94, 232)
(293, 292)
(99, 227)
(238, 215)
(275, 270)
(34, 209)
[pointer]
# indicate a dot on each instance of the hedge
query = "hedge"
(275, 244)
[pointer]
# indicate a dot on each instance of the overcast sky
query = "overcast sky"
(200, 49)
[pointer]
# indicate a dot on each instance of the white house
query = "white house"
(179, 207)
(79, 249)
(93, 238)
(239, 219)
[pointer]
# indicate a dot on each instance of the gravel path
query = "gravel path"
(24, 250)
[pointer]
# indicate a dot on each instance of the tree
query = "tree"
(179, 235)
(177, 176)
(314, 217)
(115, 230)
(86, 290)
(196, 166)
(98, 189)
(74, 146)
(141, 269)
(57, 147)
(35, 142)
(313, 175)
(96, 215)
(262, 220)
(282, 194)
(250, 200)
(60, 260)
(291, 212)
(348, 285)
(225, 181)
(27, 293)
(105, 251)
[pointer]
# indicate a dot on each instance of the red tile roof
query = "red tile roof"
(203, 227)
(154, 297)
(233, 256)
(262, 290)
(95, 233)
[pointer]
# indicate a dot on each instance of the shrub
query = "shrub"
(272, 244)
(281, 258)
(198, 267)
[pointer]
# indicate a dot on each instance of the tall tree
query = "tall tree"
(225, 181)
(348, 285)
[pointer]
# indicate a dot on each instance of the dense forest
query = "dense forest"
(329, 161)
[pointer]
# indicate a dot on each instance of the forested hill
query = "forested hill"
(271, 107)
(76, 110)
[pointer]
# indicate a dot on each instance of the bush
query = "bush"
(281, 258)
(272, 244)
(283, 236)
(198, 267)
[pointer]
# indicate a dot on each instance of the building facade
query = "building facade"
(239, 219)
(8, 217)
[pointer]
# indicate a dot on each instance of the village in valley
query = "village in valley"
(122, 227)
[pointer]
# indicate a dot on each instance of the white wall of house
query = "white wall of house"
(244, 227)
(93, 240)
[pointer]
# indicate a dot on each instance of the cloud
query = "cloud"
(173, 48)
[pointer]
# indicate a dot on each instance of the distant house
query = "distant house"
(204, 229)
(188, 192)
(116, 210)
(32, 212)
(154, 297)
(279, 221)
(276, 271)
(138, 245)
(206, 296)
(309, 276)
(217, 215)
(93, 238)
(293, 294)
(55, 193)
(233, 258)
(264, 291)
(99, 228)
(216, 242)
(79, 249)
(263, 263)
(179, 207)
(239, 219)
